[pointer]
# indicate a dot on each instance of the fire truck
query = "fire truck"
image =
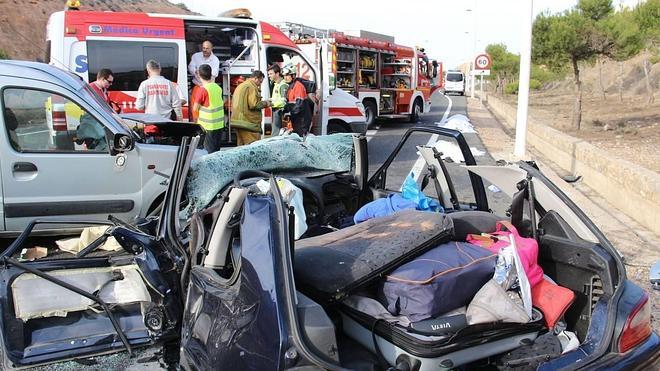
(391, 80)
(86, 41)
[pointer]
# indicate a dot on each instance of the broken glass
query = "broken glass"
(209, 174)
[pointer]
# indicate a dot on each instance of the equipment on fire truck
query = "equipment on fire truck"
(367, 62)
(368, 80)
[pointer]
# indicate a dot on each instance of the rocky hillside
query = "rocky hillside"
(23, 22)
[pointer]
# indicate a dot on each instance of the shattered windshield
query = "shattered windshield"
(209, 174)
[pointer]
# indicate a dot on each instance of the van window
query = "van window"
(455, 77)
(283, 56)
(127, 60)
(41, 121)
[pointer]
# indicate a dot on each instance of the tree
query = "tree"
(647, 15)
(624, 32)
(598, 12)
(570, 38)
(505, 65)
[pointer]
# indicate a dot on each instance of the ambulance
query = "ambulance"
(86, 41)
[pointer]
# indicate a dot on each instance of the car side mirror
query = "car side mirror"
(122, 143)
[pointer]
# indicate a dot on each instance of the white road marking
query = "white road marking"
(417, 168)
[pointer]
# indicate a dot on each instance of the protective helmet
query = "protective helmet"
(289, 69)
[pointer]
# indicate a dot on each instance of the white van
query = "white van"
(65, 155)
(455, 82)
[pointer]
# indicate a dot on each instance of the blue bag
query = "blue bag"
(442, 279)
(411, 191)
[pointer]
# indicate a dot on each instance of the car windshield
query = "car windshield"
(455, 77)
(209, 174)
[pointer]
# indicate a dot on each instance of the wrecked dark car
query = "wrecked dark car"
(284, 254)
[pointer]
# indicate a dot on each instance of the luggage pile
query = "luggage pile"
(443, 290)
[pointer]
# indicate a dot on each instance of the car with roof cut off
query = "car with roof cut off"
(257, 263)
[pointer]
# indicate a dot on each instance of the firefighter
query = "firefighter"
(299, 105)
(209, 108)
(246, 106)
(278, 99)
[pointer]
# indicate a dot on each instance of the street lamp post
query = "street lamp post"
(523, 84)
(474, 46)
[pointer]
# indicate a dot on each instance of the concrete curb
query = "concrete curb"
(629, 187)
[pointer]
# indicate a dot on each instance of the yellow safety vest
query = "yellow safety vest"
(213, 116)
(278, 100)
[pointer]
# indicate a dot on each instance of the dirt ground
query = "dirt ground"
(629, 130)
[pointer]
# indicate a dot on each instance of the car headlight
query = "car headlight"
(360, 107)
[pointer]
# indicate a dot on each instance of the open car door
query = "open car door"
(435, 158)
(241, 299)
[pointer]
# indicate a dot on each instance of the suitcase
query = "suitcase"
(329, 267)
(354, 260)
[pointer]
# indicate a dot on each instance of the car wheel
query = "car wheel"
(416, 111)
(370, 112)
(336, 127)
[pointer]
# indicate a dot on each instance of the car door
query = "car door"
(57, 159)
(435, 158)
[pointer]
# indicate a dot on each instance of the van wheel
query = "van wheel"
(416, 111)
(335, 127)
(370, 112)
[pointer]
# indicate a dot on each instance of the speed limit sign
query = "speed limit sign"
(482, 62)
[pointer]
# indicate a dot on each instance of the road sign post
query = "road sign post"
(482, 67)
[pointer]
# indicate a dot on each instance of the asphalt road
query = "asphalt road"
(386, 136)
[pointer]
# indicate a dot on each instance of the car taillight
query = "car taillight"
(637, 327)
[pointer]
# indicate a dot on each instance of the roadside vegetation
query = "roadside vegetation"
(589, 34)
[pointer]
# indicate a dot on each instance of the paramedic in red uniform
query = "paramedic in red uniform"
(298, 105)
(158, 95)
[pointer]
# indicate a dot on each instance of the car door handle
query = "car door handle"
(24, 167)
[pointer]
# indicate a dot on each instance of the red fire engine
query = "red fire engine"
(391, 80)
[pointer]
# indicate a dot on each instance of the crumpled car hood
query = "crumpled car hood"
(209, 174)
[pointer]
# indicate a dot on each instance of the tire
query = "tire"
(370, 112)
(335, 127)
(416, 111)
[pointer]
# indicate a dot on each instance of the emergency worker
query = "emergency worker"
(278, 99)
(246, 106)
(158, 95)
(299, 104)
(209, 108)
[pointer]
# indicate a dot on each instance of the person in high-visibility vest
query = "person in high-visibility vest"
(208, 106)
(278, 98)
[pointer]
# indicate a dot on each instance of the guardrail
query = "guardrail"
(631, 188)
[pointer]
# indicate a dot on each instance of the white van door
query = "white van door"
(56, 161)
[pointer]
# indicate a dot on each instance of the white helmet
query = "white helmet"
(289, 69)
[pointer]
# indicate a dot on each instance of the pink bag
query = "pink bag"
(528, 248)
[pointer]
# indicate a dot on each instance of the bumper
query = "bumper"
(358, 127)
(642, 357)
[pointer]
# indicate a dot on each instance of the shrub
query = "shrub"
(4, 55)
(512, 87)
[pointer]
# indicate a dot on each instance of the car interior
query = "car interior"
(353, 338)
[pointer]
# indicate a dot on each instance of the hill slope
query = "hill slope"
(23, 22)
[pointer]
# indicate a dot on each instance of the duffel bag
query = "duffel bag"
(440, 280)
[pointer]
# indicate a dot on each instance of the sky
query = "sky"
(445, 28)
